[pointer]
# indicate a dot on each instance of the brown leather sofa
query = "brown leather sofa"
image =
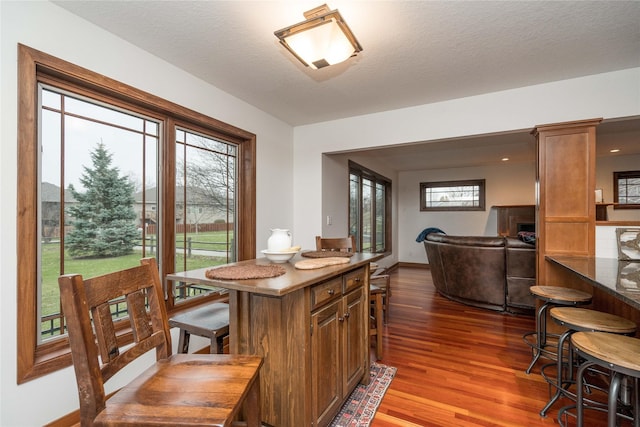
(481, 271)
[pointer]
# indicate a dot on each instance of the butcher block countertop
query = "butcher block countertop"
(292, 280)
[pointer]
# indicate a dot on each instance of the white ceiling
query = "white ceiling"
(415, 52)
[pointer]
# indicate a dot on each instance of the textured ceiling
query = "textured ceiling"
(415, 52)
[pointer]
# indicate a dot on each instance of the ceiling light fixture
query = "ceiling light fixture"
(323, 39)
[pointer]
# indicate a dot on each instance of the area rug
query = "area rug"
(362, 404)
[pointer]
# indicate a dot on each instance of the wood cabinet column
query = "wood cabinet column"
(565, 195)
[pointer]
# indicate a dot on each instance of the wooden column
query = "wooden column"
(565, 205)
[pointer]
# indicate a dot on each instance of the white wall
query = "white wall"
(506, 184)
(609, 95)
(335, 196)
(49, 28)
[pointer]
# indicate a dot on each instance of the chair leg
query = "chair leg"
(251, 405)
(379, 318)
(183, 342)
(385, 306)
(213, 345)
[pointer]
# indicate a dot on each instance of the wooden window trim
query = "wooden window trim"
(35, 360)
(469, 182)
(363, 172)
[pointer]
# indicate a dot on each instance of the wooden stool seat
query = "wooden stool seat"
(560, 295)
(582, 319)
(618, 353)
(551, 296)
(209, 321)
(577, 320)
(619, 350)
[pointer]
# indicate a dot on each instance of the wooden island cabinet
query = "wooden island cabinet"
(311, 327)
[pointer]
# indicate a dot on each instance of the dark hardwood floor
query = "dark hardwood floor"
(457, 365)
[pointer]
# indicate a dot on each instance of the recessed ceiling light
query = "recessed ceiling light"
(504, 159)
(614, 150)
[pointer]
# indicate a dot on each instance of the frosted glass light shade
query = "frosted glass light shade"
(323, 39)
(325, 42)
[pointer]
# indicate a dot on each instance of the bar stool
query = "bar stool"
(552, 296)
(619, 354)
(578, 320)
(209, 321)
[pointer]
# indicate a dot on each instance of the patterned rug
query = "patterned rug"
(361, 406)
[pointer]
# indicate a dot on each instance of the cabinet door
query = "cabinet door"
(355, 339)
(326, 373)
(566, 185)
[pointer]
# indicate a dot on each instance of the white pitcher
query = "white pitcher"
(280, 240)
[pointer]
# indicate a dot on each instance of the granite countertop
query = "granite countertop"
(618, 278)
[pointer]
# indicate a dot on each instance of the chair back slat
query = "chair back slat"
(114, 285)
(105, 332)
(341, 244)
(140, 320)
(131, 354)
(150, 329)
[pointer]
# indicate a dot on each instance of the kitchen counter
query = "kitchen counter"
(620, 279)
(310, 326)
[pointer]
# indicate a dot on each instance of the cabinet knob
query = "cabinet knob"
(346, 315)
(341, 319)
(357, 279)
(331, 291)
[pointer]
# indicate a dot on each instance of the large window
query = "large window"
(452, 195)
(98, 176)
(109, 174)
(369, 209)
(626, 190)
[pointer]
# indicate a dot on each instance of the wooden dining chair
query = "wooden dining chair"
(381, 279)
(177, 390)
(339, 244)
(377, 290)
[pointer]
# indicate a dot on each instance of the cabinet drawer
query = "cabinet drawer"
(326, 291)
(354, 278)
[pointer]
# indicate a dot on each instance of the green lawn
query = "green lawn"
(96, 266)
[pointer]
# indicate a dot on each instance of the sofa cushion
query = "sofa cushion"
(467, 240)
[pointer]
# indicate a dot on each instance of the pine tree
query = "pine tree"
(103, 218)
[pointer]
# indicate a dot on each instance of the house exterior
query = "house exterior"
(200, 212)
(293, 171)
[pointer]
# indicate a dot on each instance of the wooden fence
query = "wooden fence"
(192, 228)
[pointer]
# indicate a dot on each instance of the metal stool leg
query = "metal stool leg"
(636, 402)
(559, 380)
(614, 389)
(580, 393)
(541, 335)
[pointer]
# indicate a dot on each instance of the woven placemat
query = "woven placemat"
(244, 272)
(325, 254)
